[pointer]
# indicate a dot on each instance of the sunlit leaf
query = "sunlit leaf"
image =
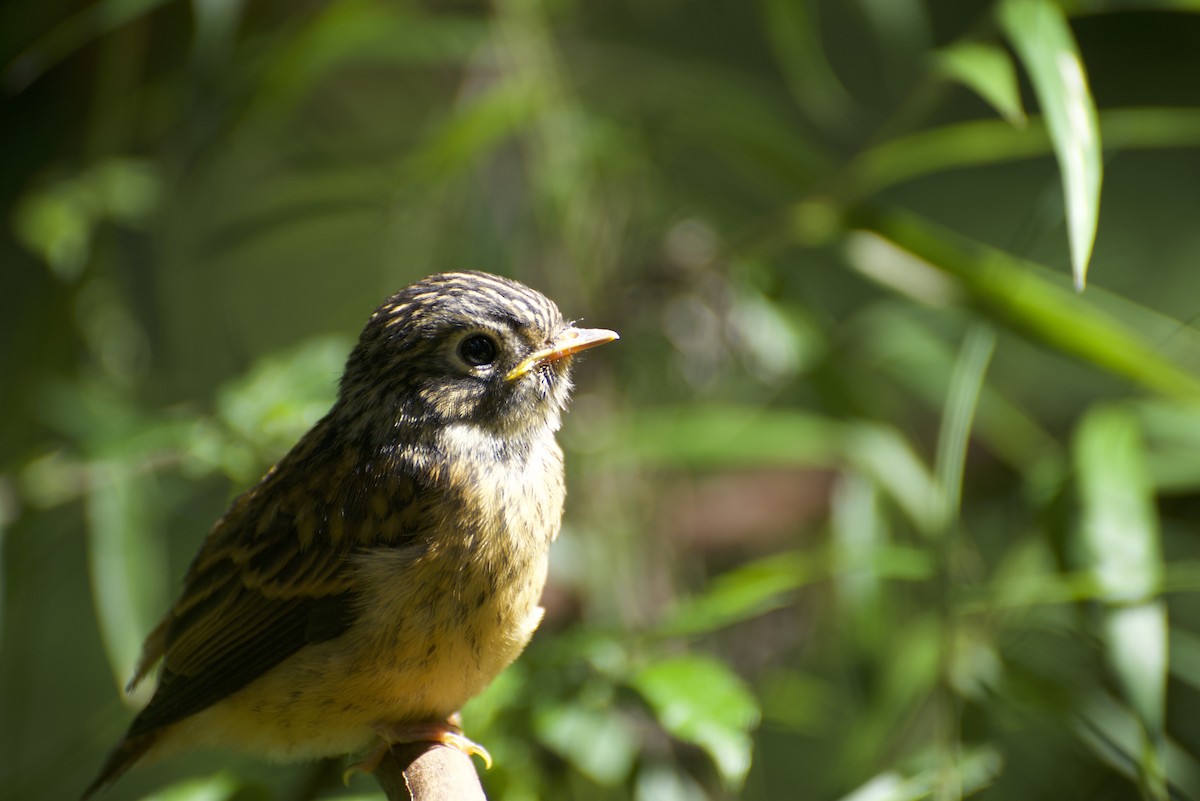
(966, 383)
(282, 397)
(747, 591)
(982, 142)
(1020, 297)
(701, 701)
(658, 782)
(1136, 639)
(59, 221)
(987, 70)
(599, 743)
(1039, 33)
(1120, 526)
(903, 341)
(973, 771)
(889, 459)
(1120, 540)
(859, 530)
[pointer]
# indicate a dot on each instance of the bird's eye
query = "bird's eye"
(477, 350)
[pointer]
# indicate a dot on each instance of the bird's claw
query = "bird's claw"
(446, 733)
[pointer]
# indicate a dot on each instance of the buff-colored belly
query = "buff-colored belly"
(411, 656)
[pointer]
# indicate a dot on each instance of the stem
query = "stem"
(426, 772)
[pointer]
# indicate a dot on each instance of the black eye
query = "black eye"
(477, 350)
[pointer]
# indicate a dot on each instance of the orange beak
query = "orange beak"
(568, 343)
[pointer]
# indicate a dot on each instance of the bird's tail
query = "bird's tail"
(122, 758)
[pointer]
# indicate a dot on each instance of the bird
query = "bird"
(391, 564)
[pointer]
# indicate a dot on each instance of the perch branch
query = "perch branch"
(426, 772)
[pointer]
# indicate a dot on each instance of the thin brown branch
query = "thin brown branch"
(427, 772)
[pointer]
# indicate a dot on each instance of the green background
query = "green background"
(867, 502)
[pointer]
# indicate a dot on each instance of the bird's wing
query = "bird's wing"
(273, 576)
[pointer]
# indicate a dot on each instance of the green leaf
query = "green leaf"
(795, 37)
(1119, 739)
(902, 339)
(989, 72)
(748, 591)
(888, 458)
(1120, 545)
(982, 142)
(1136, 642)
(475, 128)
(966, 383)
(1172, 432)
(971, 772)
(211, 788)
(363, 32)
(279, 399)
(908, 676)
(1016, 294)
(58, 222)
(126, 561)
(659, 782)
(1120, 535)
(701, 701)
(1185, 656)
(1039, 32)
(716, 435)
(598, 742)
(858, 531)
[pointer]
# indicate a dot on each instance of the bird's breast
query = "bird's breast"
(441, 618)
(436, 620)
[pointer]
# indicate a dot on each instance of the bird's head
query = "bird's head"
(466, 347)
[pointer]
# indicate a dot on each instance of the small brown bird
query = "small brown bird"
(390, 565)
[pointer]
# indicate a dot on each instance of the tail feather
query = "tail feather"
(122, 758)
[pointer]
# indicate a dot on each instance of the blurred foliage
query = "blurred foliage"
(868, 502)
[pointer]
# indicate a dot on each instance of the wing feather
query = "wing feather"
(273, 576)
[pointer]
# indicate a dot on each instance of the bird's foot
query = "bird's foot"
(445, 732)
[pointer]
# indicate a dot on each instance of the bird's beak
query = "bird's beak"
(566, 344)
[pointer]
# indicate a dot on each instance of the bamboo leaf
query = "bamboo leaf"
(726, 435)
(1013, 293)
(1039, 33)
(126, 563)
(1120, 543)
(982, 142)
(966, 383)
(1120, 536)
(989, 72)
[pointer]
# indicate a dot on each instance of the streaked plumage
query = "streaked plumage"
(390, 565)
